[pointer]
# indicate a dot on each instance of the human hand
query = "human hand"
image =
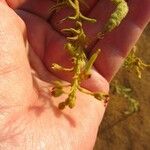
(29, 115)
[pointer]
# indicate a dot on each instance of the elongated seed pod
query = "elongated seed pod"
(117, 16)
(91, 61)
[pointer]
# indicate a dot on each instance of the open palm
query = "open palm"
(29, 42)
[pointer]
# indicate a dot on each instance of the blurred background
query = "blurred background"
(118, 130)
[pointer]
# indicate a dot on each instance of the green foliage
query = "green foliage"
(134, 63)
(133, 105)
(76, 47)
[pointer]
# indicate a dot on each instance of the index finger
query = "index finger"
(42, 7)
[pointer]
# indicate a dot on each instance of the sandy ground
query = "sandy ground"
(122, 132)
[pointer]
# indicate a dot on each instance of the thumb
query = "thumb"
(15, 76)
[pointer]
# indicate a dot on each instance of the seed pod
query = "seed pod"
(57, 67)
(62, 105)
(91, 61)
(100, 96)
(56, 92)
(71, 100)
(57, 89)
(117, 16)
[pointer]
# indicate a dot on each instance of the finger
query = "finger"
(42, 7)
(38, 7)
(85, 5)
(15, 75)
(117, 44)
(49, 46)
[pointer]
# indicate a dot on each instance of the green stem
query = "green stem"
(75, 83)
